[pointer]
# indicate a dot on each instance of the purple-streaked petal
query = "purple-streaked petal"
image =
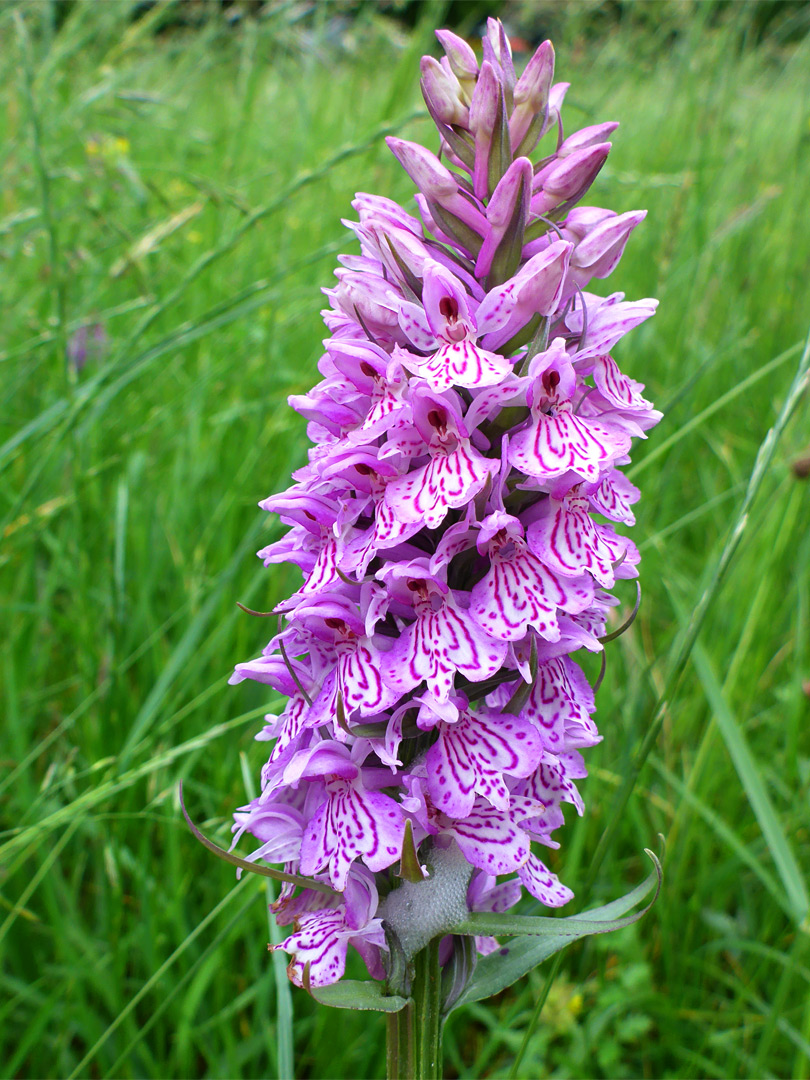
(556, 444)
(472, 756)
(428, 493)
(542, 884)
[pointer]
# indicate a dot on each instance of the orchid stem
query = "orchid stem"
(415, 1033)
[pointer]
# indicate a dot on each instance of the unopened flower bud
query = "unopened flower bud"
(489, 125)
(498, 52)
(568, 180)
(442, 93)
(507, 213)
(437, 184)
(598, 252)
(586, 137)
(461, 59)
(531, 99)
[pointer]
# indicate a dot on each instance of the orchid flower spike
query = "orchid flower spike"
(456, 526)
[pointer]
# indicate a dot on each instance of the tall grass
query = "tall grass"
(183, 190)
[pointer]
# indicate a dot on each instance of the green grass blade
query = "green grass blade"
(751, 779)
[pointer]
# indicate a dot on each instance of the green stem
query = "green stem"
(415, 1033)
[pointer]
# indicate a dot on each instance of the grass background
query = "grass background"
(181, 187)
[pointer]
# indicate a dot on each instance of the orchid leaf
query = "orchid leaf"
(409, 866)
(244, 864)
(506, 259)
(540, 938)
(354, 994)
(456, 228)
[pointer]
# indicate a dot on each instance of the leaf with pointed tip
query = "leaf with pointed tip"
(456, 228)
(500, 969)
(457, 971)
(353, 994)
(409, 866)
(500, 150)
(251, 868)
(521, 695)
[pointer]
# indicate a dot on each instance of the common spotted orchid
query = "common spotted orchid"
(454, 527)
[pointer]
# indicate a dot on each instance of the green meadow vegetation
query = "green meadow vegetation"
(170, 206)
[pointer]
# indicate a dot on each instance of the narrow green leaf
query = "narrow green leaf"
(723, 831)
(500, 969)
(751, 780)
(409, 866)
(243, 864)
(352, 994)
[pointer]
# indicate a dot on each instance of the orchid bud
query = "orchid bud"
(370, 299)
(555, 102)
(598, 252)
(586, 137)
(424, 168)
(447, 105)
(567, 181)
(531, 100)
(461, 59)
(456, 214)
(507, 213)
(498, 52)
(442, 93)
(489, 125)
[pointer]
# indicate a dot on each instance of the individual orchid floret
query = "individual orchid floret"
(445, 322)
(520, 592)
(440, 643)
(455, 473)
(321, 940)
(558, 441)
(474, 755)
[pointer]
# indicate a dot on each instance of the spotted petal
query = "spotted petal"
(519, 592)
(541, 883)
(553, 782)
(616, 387)
(560, 703)
(559, 443)
(448, 480)
(614, 496)
(361, 683)
(490, 839)
(566, 539)
(350, 824)
(435, 646)
(460, 363)
(472, 756)
(321, 941)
